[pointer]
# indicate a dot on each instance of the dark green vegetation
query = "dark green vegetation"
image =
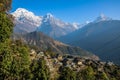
(101, 38)
(89, 73)
(15, 61)
(67, 74)
(39, 70)
(14, 56)
(6, 27)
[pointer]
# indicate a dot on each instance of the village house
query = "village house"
(32, 54)
(59, 57)
(78, 61)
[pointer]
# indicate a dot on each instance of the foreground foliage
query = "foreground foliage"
(14, 56)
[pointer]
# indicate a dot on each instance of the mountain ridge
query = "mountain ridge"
(43, 42)
(26, 21)
(101, 38)
(54, 27)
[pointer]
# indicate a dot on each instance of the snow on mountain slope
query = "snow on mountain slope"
(54, 27)
(25, 21)
(102, 17)
(24, 15)
(50, 19)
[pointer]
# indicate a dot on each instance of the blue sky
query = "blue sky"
(71, 10)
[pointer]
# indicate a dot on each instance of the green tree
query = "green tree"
(86, 74)
(5, 61)
(103, 76)
(21, 60)
(6, 27)
(39, 70)
(67, 74)
(14, 57)
(14, 61)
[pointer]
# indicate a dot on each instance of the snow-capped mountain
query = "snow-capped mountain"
(76, 25)
(54, 27)
(102, 17)
(102, 38)
(22, 15)
(25, 21)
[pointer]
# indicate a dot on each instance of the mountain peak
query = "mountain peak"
(49, 15)
(25, 16)
(102, 17)
(21, 10)
(55, 27)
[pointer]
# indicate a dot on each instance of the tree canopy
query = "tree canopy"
(5, 5)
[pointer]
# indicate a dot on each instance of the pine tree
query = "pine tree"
(86, 74)
(6, 27)
(67, 74)
(40, 70)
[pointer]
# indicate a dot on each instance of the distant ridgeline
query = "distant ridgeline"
(102, 38)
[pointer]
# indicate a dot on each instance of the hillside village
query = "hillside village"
(56, 62)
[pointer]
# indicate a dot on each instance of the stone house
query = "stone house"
(59, 57)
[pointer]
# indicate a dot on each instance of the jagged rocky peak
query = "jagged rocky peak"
(76, 25)
(55, 27)
(48, 18)
(102, 17)
(48, 15)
